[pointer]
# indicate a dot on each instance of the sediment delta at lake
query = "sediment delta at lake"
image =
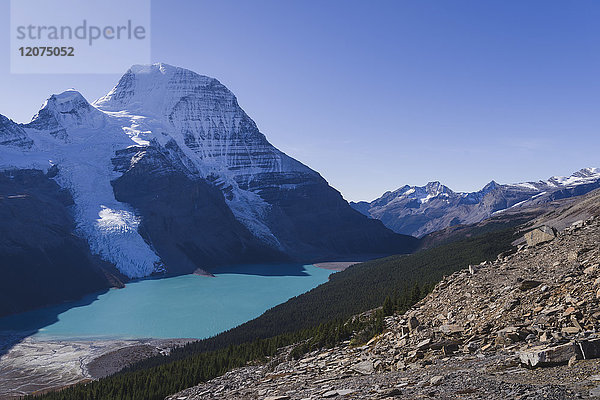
(34, 365)
(61, 345)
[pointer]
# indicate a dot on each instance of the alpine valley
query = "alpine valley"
(166, 174)
(166, 178)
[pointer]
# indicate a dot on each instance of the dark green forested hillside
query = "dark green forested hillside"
(365, 286)
(315, 319)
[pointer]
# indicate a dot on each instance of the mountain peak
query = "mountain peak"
(421, 193)
(436, 188)
(490, 186)
(152, 68)
(579, 177)
(65, 102)
(587, 172)
(158, 88)
(418, 211)
(66, 109)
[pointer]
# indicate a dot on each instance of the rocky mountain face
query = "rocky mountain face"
(524, 326)
(417, 211)
(168, 174)
(185, 219)
(41, 260)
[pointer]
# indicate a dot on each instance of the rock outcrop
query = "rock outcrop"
(539, 235)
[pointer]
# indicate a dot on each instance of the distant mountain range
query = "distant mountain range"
(166, 173)
(419, 210)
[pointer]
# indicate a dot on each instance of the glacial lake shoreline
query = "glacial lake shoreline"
(63, 345)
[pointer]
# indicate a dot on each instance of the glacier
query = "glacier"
(70, 133)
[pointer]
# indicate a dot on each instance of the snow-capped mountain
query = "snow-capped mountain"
(417, 211)
(202, 118)
(168, 173)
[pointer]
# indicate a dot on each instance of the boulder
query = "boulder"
(539, 235)
(365, 368)
(512, 304)
(570, 330)
(528, 284)
(509, 335)
(414, 355)
(424, 344)
(436, 380)
(413, 322)
(569, 311)
(577, 224)
(590, 270)
(438, 345)
(450, 329)
(590, 348)
(541, 356)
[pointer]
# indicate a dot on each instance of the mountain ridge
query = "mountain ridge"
(420, 210)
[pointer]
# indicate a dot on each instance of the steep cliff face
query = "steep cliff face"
(168, 174)
(185, 220)
(41, 260)
(12, 135)
(417, 211)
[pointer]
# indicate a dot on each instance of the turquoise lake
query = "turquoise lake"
(188, 306)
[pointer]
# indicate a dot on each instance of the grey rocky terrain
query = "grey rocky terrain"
(524, 326)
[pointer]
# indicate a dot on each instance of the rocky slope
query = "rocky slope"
(417, 211)
(470, 338)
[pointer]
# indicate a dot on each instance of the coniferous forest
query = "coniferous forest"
(322, 317)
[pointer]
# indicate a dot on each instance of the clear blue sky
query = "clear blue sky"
(378, 94)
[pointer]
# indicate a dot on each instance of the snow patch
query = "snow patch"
(117, 221)
(537, 195)
(525, 185)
